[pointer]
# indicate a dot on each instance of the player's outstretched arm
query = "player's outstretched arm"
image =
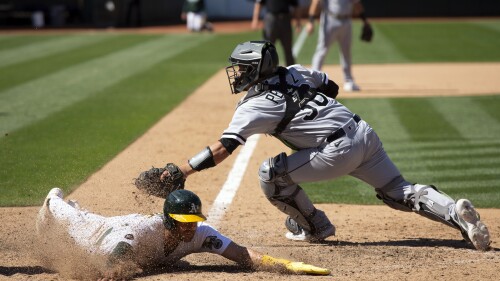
(207, 158)
(253, 259)
(161, 181)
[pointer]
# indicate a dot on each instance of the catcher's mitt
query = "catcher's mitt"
(149, 181)
(366, 32)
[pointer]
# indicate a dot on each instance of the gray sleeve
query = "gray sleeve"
(308, 76)
(259, 115)
(319, 78)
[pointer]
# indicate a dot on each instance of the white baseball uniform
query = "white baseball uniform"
(145, 233)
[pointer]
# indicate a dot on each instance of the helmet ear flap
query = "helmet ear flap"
(269, 61)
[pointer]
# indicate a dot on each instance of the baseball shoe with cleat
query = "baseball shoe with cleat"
(350, 86)
(471, 225)
(304, 235)
(44, 212)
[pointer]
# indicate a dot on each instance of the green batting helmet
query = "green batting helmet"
(182, 206)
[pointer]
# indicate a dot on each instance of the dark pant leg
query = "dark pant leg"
(279, 27)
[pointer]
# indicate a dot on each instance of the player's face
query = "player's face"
(236, 74)
(186, 230)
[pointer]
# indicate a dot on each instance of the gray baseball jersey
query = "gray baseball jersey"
(145, 233)
(309, 128)
(358, 153)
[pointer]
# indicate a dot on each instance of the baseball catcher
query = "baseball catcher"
(298, 106)
(122, 246)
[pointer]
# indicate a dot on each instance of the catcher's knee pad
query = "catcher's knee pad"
(392, 194)
(276, 184)
(287, 196)
(275, 170)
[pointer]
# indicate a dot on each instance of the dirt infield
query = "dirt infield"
(372, 241)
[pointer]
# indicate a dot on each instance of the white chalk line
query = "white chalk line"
(233, 181)
(299, 43)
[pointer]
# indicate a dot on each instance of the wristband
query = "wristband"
(203, 160)
(311, 19)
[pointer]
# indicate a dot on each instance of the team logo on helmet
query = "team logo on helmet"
(182, 206)
(195, 209)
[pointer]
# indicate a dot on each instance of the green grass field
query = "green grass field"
(69, 103)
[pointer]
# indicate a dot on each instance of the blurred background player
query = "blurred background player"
(336, 25)
(193, 12)
(130, 243)
(278, 23)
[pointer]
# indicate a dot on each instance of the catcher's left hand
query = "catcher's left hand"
(150, 181)
(366, 32)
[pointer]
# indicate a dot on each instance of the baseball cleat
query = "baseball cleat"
(56, 191)
(471, 226)
(304, 235)
(350, 86)
(44, 211)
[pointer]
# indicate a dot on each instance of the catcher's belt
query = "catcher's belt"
(341, 132)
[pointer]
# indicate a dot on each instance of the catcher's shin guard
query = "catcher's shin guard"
(425, 200)
(289, 197)
(428, 201)
(461, 215)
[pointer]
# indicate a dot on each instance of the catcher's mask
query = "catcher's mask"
(251, 62)
(182, 206)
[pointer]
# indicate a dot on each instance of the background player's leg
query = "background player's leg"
(326, 37)
(345, 42)
(284, 29)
